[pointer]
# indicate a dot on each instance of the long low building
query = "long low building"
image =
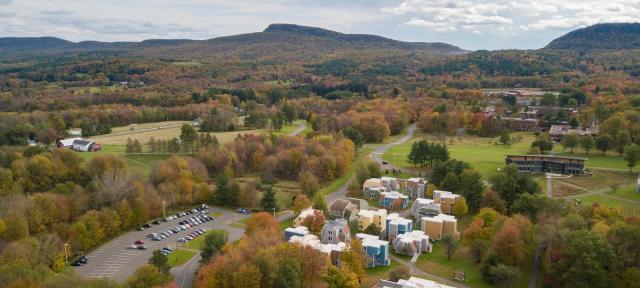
(547, 164)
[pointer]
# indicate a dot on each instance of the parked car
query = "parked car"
(132, 247)
(243, 211)
(141, 247)
(141, 228)
(156, 238)
(77, 263)
(146, 225)
(188, 238)
(152, 235)
(182, 240)
(139, 242)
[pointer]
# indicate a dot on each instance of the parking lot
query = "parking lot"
(114, 260)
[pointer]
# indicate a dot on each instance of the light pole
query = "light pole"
(274, 212)
(164, 215)
(66, 257)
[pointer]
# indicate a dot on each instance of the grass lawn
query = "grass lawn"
(628, 192)
(285, 224)
(486, 156)
(195, 244)
(438, 264)
(374, 274)
(179, 257)
(362, 157)
(602, 179)
(627, 208)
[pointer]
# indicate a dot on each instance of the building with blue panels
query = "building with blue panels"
(393, 200)
(295, 231)
(396, 225)
(377, 250)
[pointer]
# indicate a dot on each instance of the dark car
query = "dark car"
(139, 242)
(83, 259)
(385, 162)
(141, 247)
(243, 211)
(147, 225)
(157, 222)
(77, 263)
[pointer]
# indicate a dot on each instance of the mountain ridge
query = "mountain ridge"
(603, 36)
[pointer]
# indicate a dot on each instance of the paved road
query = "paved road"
(185, 274)
(114, 260)
(376, 156)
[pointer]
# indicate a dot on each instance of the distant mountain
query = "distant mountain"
(21, 44)
(273, 41)
(609, 36)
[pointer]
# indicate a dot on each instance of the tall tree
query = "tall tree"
(213, 242)
(604, 142)
(570, 141)
(160, 260)
(268, 201)
(148, 276)
(472, 188)
(632, 155)
(451, 244)
(587, 143)
(320, 204)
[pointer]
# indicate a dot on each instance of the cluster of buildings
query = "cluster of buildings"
(393, 193)
(557, 132)
(79, 144)
(403, 235)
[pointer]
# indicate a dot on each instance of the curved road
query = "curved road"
(298, 130)
(376, 156)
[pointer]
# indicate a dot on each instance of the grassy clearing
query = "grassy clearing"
(138, 164)
(196, 244)
(187, 64)
(628, 192)
(602, 179)
(179, 257)
(288, 129)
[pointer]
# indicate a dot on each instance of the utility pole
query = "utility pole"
(66, 256)
(164, 214)
(274, 212)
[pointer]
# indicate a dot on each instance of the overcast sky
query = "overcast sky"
(470, 24)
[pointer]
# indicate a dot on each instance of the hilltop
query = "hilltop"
(607, 36)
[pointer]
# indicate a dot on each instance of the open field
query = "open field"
(627, 208)
(170, 129)
(486, 155)
(138, 163)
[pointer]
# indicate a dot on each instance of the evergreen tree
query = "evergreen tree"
(320, 204)
(268, 201)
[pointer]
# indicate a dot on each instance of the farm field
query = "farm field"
(170, 129)
(486, 155)
(138, 163)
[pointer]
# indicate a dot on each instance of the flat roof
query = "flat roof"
(551, 156)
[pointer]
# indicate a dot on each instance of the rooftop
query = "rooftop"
(371, 213)
(371, 240)
(550, 156)
(393, 195)
(298, 230)
(440, 218)
(415, 235)
(396, 219)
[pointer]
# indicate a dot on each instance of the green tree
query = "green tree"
(621, 140)
(604, 142)
(354, 135)
(509, 184)
(503, 275)
(451, 182)
(213, 242)
(268, 201)
(505, 139)
(319, 203)
(188, 135)
(543, 142)
(587, 143)
(586, 260)
(472, 188)
(632, 155)
(570, 141)
(451, 245)
(289, 273)
(18, 227)
(148, 276)
(160, 261)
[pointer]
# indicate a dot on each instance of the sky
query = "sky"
(469, 24)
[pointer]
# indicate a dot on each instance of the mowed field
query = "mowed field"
(486, 155)
(159, 130)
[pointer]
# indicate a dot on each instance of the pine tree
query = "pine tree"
(269, 201)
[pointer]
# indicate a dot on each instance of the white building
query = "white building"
(412, 243)
(303, 214)
(413, 282)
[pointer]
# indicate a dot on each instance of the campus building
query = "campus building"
(412, 243)
(396, 225)
(393, 200)
(425, 207)
(377, 250)
(547, 164)
(446, 200)
(439, 226)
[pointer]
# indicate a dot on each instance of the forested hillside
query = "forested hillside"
(601, 36)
